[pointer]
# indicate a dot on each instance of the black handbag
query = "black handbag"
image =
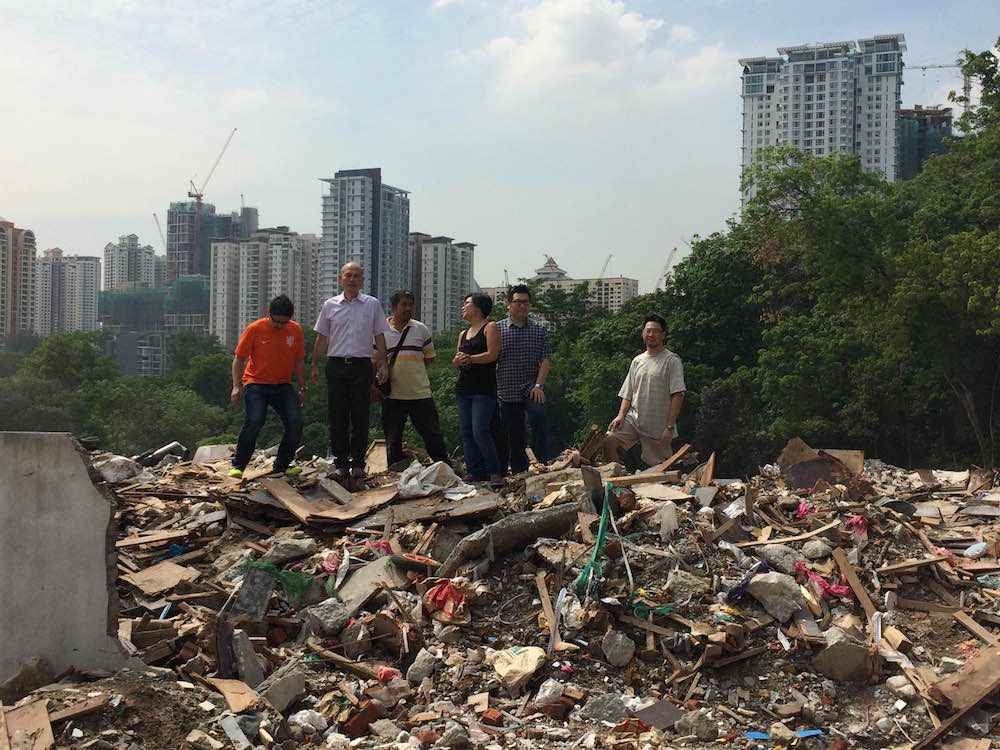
(385, 388)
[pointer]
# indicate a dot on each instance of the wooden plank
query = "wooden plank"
(660, 492)
(88, 706)
(4, 741)
(918, 605)
(646, 478)
(652, 628)
(796, 538)
(319, 511)
(376, 459)
(966, 621)
(257, 528)
(708, 475)
(337, 491)
(342, 662)
(160, 577)
(907, 565)
(28, 727)
(851, 575)
(678, 455)
(239, 696)
(153, 538)
(952, 720)
(261, 471)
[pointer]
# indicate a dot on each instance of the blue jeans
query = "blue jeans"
(475, 414)
(285, 401)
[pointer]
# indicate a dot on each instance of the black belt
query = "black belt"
(351, 360)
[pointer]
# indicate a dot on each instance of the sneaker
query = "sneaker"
(357, 473)
(497, 481)
(293, 471)
(236, 473)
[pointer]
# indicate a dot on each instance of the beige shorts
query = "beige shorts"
(654, 451)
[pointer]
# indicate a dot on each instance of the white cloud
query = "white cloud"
(681, 33)
(595, 48)
(439, 4)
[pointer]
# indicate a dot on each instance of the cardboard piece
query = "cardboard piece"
(239, 696)
(160, 577)
(28, 727)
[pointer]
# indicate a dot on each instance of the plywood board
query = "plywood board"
(151, 538)
(327, 511)
(376, 459)
(160, 577)
(28, 727)
(239, 696)
(660, 492)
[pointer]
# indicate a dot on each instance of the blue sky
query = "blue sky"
(576, 128)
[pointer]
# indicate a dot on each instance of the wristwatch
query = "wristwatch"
(539, 385)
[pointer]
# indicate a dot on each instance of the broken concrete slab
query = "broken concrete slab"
(56, 526)
(845, 660)
(248, 664)
(781, 557)
(778, 593)
(511, 532)
(367, 581)
(209, 454)
(285, 686)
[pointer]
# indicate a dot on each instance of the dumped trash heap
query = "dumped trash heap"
(830, 602)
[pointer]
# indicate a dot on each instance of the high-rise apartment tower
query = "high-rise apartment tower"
(66, 288)
(17, 279)
(829, 98)
(129, 265)
(365, 221)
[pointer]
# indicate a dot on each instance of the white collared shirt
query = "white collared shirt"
(350, 326)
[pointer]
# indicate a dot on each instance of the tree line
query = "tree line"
(838, 307)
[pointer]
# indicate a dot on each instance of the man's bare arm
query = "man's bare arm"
(237, 374)
(319, 350)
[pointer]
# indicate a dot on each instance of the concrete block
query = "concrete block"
(57, 554)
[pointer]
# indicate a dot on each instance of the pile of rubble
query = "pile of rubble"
(829, 602)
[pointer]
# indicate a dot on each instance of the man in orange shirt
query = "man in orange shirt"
(268, 352)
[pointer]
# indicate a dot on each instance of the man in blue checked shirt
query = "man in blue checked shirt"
(522, 369)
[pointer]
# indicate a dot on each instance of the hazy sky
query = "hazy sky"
(576, 128)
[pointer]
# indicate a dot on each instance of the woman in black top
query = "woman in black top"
(476, 389)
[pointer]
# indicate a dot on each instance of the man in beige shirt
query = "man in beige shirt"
(652, 396)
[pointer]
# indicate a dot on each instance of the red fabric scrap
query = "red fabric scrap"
(804, 509)
(382, 545)
(388, 674)
(827, 589)
(332, 563)
(447, 603)
(858, 525)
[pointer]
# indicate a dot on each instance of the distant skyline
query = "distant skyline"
(575, 128)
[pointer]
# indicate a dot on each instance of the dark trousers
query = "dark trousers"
(348, 385)
(285, 401)
(514, 418)
(512, 436)
(539, 430)
(423, 413)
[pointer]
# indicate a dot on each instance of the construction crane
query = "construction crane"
(666, 269)
(604, 268)
(160, 230)
(198, 194)
(966, 81)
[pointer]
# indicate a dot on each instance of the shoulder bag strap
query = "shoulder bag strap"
(395, 350)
